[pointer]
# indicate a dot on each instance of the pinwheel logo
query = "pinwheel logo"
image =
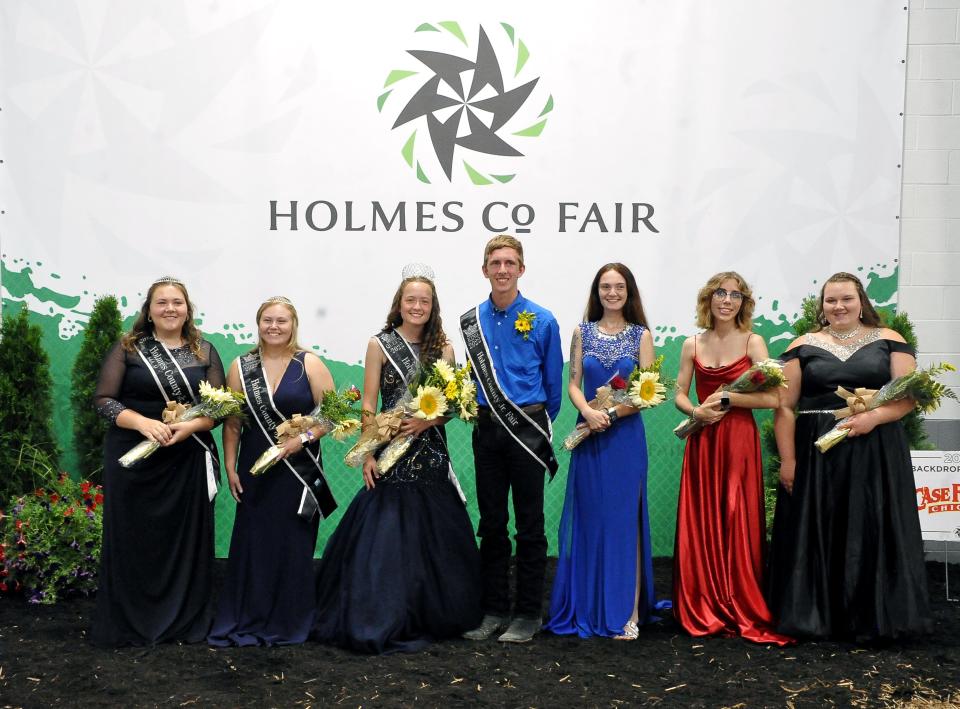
(467, 110)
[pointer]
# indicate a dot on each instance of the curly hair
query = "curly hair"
(869, 316)
(142, 326)
(434, 338)
(632, 307)
(744, 319)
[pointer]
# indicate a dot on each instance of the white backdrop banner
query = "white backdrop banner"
(310, 149)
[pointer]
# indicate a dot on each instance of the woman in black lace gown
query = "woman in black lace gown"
(402, 569)
(155, 569)
(847, 555)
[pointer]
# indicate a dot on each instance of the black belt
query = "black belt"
(529, 409)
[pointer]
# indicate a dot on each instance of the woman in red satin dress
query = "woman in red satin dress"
(719, 554)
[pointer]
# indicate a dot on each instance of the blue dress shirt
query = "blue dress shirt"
(529, 371)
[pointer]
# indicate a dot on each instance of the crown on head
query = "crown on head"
(168, 280)
(278, 299)
(417, 270)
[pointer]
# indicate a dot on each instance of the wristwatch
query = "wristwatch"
(612, 414)
(725, 401)
(307, 437)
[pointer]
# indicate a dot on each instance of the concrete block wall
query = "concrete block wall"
(930, 213)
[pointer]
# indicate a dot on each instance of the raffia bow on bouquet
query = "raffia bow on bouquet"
(335, 413)
(217, 403)
(919, 385)
(441, 390)
(643, 389)
(762, 376)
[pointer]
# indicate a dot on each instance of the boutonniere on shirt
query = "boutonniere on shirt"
(524, 323)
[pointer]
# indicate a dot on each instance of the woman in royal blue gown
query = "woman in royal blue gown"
(267, 597)
(604, 580)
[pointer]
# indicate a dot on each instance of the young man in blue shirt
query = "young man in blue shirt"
(514, 347)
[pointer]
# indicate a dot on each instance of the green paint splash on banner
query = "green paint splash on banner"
(664, 449)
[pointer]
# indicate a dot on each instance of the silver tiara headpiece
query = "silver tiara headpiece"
(417, 270)
(278, 299)
(170, 280)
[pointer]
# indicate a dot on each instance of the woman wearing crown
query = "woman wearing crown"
(267, 596)
(402, 569)
(155, 581)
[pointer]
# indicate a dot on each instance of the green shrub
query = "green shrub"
(25, 401)
(89, 428)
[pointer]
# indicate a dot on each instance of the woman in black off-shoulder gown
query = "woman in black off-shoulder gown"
(847, 555)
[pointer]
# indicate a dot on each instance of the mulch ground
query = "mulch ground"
(46, 661)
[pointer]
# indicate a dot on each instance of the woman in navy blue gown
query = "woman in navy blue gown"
(604, 580)
(402, 568)
(267, 598)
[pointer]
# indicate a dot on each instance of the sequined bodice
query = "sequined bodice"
(427, 460)
(606, 355)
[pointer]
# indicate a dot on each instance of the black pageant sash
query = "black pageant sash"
(524, 430)
(305, 465)
(399, 353)
(174, 386)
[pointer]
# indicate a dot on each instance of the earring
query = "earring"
(860, 317)
(149, 318)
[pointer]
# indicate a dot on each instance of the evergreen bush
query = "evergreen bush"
(89, 428)
(26, 401)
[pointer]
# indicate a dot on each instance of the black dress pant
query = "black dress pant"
(501, 465)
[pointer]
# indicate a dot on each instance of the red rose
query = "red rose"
(353, 394)
(68, 512)
(54, 497)
(758, 377)
(85, 487)
(98, 498)
(618, 382)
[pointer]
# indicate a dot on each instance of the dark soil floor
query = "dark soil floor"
(46, 661)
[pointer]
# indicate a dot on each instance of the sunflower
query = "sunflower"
(647, 391)
(444, 369)
(430, 403)
(345, 429)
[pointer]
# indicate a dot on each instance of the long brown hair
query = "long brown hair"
(744, 319)
(434, 338)
(142, 327)
(869, 315)
(632, 308)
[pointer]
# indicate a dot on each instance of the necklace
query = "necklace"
(842, 335)
(611, 330)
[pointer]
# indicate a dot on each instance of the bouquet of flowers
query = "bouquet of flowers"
(335, 413)
(762, 376)
(440, 390)
(643, 389)
(919, 385)
(217, 403)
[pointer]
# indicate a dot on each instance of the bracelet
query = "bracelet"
(693, 413)
(612, 414)
(311, 436)
(304, 439)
